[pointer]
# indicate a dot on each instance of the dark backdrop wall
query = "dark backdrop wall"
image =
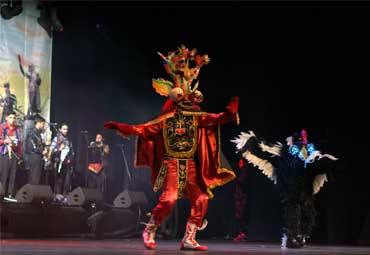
(293, 66)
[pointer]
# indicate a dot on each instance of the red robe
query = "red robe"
(150, 147)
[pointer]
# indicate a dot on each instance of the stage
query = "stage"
(134, 246)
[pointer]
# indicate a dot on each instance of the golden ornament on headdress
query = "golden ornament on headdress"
(183, 65)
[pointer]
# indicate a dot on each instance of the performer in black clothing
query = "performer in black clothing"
(34, 82)
(8, 103)
(98, 164)
(62, 155)
(35, 150)
(298, 170)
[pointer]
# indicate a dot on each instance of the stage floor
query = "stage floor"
(135, 247)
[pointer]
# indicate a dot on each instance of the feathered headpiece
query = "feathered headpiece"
(183, 65)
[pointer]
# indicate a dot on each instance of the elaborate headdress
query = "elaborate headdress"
(298, 145)
(183, 65)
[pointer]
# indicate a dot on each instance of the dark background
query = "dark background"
(293, 65)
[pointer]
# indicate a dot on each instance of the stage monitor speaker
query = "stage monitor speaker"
(34, 194)
(2, 191)
(84, 196)
(128, 199)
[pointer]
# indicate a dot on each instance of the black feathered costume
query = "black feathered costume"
(298, 170)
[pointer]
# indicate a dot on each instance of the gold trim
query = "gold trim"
(187, 113)
(182, 176)
(160, 119)
(171, 114)
(210, 194)
(160, 177)
(136, 165)
(220, 169)
(237, 119)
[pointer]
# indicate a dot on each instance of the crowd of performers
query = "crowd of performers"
(46, 163)
(181, 145)
(25, 144)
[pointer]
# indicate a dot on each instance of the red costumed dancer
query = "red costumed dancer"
(182, 146)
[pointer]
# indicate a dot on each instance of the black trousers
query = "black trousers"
(8, 170)
(299, 215)
(63, 183)
(36, 165)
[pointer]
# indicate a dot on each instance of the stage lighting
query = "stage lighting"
(48, 18)
(10, 8)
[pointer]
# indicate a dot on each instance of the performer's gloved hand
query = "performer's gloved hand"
(233, 105)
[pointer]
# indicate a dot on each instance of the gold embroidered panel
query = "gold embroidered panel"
(180, 134)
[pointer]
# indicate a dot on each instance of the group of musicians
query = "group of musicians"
(34, 153)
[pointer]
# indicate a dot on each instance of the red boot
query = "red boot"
(189, 242)
(149, 234)
(240, 237)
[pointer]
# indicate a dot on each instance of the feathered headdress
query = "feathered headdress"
(183, 65)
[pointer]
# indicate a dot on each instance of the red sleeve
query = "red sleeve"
(143, 130)
(216, 119)
(147, 130)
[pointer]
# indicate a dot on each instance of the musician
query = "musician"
(98, 164)
(34, 82)
(8, 103)
(35, 150)
(62, 154)
(10, 154)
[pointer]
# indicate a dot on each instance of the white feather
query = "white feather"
(275, 150)
(317, 154)
(266, 167)
(318, 183)
(242, 139)
(329, 157)
(289, 140)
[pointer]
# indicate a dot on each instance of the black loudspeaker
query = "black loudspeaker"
(34, 194)
(2, 191)
(128, 199)
(84, 196)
